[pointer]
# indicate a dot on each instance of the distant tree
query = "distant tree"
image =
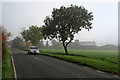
(74, 45)
(9, 34)
(108, 47)
(40, 44)
(56, 44)
(18, 43)
(33, 34)
(47, 44)
(65, 22)
(25, 34)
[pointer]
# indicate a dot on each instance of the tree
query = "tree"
(65, 22)
(9, 34)
(18, 43)
(40, 44)
(47, 44)
(25, 35)
(33, 34)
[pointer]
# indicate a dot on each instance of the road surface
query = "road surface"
(40, 66)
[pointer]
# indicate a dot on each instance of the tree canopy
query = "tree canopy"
(18, 43)
(33, 34)
(65, 22)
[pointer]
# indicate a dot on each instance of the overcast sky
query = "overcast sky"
(16, 15)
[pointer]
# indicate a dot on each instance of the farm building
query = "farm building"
(82, 44)
(85, 43)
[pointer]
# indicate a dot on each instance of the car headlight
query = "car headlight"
(38, 51)
(31, 51)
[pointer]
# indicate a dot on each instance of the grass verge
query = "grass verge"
(6, 65)
(0, 69)
(86, 61)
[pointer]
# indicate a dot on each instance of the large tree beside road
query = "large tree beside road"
(65, 22)
(25, 35)
(33, 34)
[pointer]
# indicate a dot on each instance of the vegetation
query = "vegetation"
(25, 35)
(33, 34)
(6, 65)
(105, 60)
(65, 22)
(40, 44)
(56, 45)
(18, 43)
(6, 60)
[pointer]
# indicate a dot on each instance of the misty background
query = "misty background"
(19, 15)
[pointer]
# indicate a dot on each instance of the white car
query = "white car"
(33, 50)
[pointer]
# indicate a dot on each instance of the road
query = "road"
(40, 66)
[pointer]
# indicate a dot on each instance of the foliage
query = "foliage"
(25, 35)
(9, 35)
(4, 37)
(6, 61)
(40, 44)
(18, 43)
(65, 22)
(33, 34)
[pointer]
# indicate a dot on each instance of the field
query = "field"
(105, 60)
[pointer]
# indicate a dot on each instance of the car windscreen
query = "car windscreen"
(33, 47)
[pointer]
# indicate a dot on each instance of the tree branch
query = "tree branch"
(68, 42)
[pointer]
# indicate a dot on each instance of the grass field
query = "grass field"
(105, 60)
(6, 65)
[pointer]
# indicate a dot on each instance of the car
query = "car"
(33, 50)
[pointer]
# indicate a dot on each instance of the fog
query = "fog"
(16, 15)
(119, 23)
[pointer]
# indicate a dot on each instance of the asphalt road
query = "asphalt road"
(40, 66)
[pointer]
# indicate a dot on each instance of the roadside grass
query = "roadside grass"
(0, 69)
(6, 65)
(106, 55)
(104, 60)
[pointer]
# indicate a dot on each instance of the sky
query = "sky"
(18, 15)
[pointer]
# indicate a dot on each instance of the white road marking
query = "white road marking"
(86, 67)
(36, 58)
(116, 76)
(15, 75)
(99, 71)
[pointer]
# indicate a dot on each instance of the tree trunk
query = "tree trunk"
(27, 45)
(65, 48)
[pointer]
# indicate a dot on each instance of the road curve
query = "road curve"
(40, 66)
